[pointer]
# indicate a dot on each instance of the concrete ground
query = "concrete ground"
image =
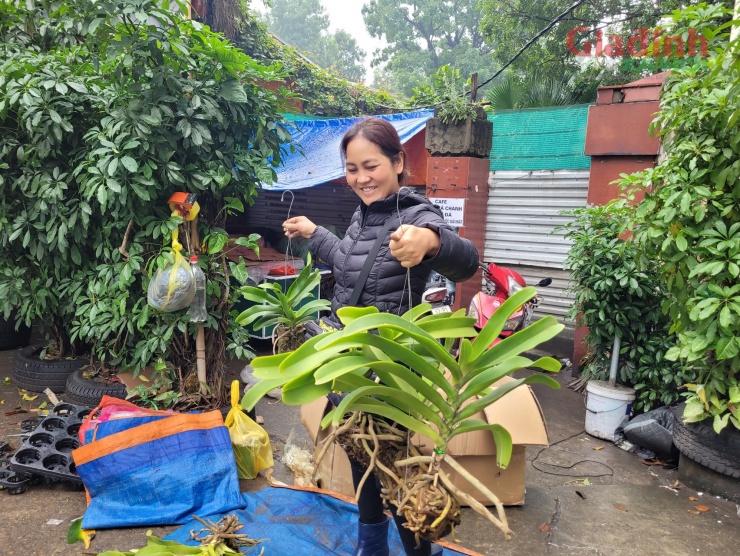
(584, 495)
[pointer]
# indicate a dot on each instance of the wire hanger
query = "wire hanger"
(289, 247)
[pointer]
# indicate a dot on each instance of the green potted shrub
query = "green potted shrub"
(421, 387)
(615, 297)
(688, 226)
(459, 127)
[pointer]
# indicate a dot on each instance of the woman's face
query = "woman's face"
(371, 174)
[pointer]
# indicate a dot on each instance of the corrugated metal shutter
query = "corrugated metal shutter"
(523, 211)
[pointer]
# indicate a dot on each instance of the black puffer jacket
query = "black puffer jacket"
(457, 258)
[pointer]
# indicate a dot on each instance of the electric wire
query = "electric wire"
(531, 41)
(565, 467)
(521, 51)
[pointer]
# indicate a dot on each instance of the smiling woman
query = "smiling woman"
(394, 241)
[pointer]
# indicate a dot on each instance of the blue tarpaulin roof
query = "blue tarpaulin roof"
(320, 161)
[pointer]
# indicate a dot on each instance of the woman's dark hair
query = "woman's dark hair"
(384, 136)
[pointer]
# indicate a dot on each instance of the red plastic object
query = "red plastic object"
(283, 270)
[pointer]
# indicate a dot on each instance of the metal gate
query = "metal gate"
(523, 211)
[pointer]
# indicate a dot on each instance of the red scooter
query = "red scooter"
(500, 283)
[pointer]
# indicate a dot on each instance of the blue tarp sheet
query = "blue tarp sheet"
(301, 522)
(320, 161)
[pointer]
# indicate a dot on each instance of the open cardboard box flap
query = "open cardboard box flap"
(518, 412)
(312, 414)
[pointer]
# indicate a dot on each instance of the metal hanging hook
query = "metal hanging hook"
(292, 198)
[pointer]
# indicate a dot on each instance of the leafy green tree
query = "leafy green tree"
(689, 224)
(426, 35)
(106, 109)
(305, 24)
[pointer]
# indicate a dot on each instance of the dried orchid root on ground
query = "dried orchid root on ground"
(414, 483)
(223, 532)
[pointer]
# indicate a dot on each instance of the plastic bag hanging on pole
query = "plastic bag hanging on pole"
(250, 442)
(172, 288)
(198, 311)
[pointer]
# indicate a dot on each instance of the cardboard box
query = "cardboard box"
(518, 412)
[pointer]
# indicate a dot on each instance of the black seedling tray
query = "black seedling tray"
(47, 450)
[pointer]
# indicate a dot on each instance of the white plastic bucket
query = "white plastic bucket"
(606, 407)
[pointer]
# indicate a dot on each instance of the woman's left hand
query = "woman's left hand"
(410, 244)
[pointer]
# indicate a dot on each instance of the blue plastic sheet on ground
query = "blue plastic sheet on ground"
(299, 522)
(320, 161)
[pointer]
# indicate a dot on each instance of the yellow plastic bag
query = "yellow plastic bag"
(250, 442)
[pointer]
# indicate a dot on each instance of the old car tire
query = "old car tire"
(10, 338)
(83, 391)
(35, 375)
(699, 442)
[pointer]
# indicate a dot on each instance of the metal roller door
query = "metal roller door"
(523, 211)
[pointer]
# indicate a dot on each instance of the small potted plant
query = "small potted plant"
(286, 312)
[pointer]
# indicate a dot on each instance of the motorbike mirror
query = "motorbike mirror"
(544, 282)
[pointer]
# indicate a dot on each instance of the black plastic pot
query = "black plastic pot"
(10, 338)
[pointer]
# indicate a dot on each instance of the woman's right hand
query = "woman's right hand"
(299, 226)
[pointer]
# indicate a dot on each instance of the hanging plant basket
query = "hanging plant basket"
(470, 137)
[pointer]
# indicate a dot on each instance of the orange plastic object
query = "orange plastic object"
(184, 204)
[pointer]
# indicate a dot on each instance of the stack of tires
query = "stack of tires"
(35, 375)
(708, 461)
(60, 376)
(84, 391)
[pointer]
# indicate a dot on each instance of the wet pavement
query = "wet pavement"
(584, 495)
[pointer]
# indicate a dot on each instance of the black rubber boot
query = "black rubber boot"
(372, 539)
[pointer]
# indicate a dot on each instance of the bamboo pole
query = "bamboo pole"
(200, 341)
(200, 350)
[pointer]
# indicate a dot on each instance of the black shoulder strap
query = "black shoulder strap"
(360, 285)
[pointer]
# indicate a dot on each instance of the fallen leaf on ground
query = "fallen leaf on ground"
(28, 397)
(702, 508)
(6, 381)
(621, 508)
(693, 498)
(76, 533)
(599, 448)
(545, 527)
